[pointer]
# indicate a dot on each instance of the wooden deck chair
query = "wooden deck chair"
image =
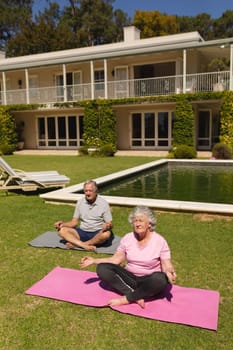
(13, 179)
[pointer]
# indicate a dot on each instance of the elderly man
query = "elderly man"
(93, 215)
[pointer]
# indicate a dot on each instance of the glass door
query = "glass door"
(163, 129)
(77, 88)
(34, 96)
(204, 130)
(60, 131)
(121, 82)
(99, 83)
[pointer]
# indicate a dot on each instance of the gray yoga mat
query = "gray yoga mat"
(51, 239)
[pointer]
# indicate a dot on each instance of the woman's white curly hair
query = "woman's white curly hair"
(138, 211)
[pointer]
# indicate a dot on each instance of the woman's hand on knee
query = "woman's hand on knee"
(87, 261)
(171, 277)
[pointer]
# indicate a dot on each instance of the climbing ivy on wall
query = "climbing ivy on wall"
(183, 128)
(99, 124)
(226, 119)
(8, 136)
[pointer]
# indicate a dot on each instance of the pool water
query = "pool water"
(199, 183)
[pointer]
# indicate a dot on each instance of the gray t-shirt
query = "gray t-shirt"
(92, 216)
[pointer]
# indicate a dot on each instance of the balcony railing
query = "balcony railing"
(215, 81)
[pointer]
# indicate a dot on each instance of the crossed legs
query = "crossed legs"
(133, 288)
(73, 239)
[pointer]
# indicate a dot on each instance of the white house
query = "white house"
(133, 68)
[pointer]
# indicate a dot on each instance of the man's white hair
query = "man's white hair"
(89, 182)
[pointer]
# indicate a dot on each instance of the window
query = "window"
(41, 131)
(99, 76)
(163, 129)
(204, 129)
(60, 131)
(99, 83)
(51, 130)
(59, 88)
(34, 89)
(121, 82)
(151, 129)
(136, 129)
(72, 131)
(77, 87)
(73, 86)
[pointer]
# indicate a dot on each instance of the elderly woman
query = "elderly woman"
(146, 255)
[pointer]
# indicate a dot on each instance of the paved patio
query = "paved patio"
(122, 153)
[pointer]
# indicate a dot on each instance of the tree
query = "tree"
(12, 14)
(153, 23)
(83, 23)
(120, 20)
(93, 22)
(97, 21)
(46, 33)
(223, 26)
(203, 23)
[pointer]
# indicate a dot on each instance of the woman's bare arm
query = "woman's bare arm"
(116, 259)
(168, 268)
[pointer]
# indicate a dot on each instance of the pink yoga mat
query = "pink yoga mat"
(190, 306)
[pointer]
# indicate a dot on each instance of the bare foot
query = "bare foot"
(90, 248)
(141, 303)
(123, 301)
(70, 245)
(118, 301)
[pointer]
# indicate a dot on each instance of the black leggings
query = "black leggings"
(126, 283)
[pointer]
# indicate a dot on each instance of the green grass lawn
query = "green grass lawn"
(201, 250)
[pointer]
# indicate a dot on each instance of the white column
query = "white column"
(4, 88)
(92, 80)
(184, 69)
(231, 67)
(27, 86)
(105, 79)
(64, 83)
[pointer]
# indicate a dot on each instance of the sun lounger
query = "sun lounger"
(13, 179)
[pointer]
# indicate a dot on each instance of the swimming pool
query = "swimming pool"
(72, 194)
(178, 181)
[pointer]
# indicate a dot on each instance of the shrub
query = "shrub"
(8, 136)
(170, 155)
(107, 150)
(7, 149)
(83, 151)
(221, 151)
(226, 120)
(184, 152)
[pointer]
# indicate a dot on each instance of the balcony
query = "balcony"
(167, 85)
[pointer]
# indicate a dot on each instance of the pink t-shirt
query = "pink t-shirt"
(145, 259)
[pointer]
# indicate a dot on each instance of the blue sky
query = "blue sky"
(177, 7)
(172, 7)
